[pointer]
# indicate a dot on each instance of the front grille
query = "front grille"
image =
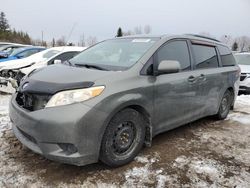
(32, 102)
(243, 76)
(244, 88)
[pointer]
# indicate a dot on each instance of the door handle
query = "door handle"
(202, 77)
(191, 79)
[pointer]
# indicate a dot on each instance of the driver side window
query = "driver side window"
(177, 51)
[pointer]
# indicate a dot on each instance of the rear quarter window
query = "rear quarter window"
(205, 56)
(227, 58)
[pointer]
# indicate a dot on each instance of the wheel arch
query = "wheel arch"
(232, 91)
(142, 110)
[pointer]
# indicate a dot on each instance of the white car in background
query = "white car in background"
(243, 59)
(13, 71)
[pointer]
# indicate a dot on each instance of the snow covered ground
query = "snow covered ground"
(206, 153)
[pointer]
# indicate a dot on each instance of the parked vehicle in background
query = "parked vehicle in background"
(23, 52)
(64, 54)
(115, 96)
(6, 43)
(243, 59)
(6, 50)
(16, 69)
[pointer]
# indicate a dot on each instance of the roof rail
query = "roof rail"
(205, 37)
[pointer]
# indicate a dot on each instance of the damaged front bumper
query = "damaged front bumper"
(8, 85)
(68, 134)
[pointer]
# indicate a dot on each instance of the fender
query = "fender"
(119, 103)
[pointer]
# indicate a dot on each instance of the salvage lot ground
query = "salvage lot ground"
(201, 154)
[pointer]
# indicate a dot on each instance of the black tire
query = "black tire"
(123, 138)
(225, 105)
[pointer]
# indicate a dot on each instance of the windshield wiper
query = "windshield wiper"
(91, 66)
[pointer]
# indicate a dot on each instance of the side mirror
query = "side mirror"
(57, 61)
(169, 66)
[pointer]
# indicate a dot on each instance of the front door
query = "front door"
(176, 95)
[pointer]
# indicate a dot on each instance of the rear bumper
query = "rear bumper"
(76, 126)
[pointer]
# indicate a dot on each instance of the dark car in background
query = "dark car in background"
(114, 97)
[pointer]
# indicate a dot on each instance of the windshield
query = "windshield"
(3, 47)
(116, 54)
(243, 59)
(50, 53)
(16, 51)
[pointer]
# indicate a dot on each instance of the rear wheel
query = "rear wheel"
(225, 105)
(123, 138)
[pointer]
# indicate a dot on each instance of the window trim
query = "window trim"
(203, 43)
(219, 56)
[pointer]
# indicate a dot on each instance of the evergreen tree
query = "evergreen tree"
(235, 46)
(4, 26)
(119, 32)
(53, 42)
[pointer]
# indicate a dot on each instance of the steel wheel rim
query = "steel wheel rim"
(123, 138)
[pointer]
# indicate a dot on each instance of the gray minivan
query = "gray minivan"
(114, 97)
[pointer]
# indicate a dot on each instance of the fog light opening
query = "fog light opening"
(68, 149)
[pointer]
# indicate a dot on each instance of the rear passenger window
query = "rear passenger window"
(176, 50)
(227, 58)
(205, 56)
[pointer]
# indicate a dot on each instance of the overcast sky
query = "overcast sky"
(101, 18)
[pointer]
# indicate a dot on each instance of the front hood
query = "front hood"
(18, 63)
(245, 68)
(54, 78)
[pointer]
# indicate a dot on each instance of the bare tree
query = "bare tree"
(91, 41)
(39, 42)
(126, 33)
(243, 42)
(53, 42)
(61, 41)
(138, 30)
(147, 29)
(227, 39)
(82, 40)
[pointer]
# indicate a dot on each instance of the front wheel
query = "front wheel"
(123, 138)
(225, 105)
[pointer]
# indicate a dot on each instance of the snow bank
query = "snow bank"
(242, 103)
(4, 104)
(240, 117)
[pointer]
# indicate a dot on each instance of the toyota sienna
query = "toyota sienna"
(114, 97)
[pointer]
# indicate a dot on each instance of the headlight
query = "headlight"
(73, 96)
